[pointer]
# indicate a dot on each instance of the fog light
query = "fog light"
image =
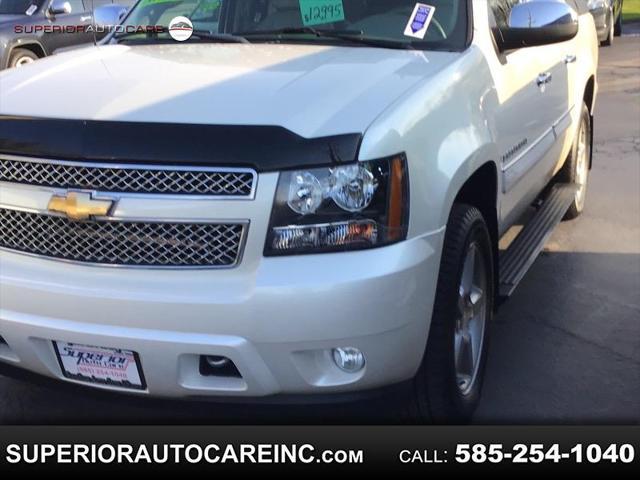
(348, 359)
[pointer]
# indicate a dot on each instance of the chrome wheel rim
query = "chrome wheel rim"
(23, 61)
(471, 319)
(582, 166)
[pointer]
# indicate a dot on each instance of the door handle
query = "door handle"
(570, 59)
(85, 18)
(544, 79)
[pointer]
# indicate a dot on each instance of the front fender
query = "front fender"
(444, 128)
(587, 66)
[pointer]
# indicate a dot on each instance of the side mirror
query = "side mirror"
(59, 7)
(109, 15)
(540, 22)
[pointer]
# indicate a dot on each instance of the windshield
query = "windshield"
(15, 7)
(442, 25)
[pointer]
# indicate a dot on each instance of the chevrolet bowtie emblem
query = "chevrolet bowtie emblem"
(79, 205)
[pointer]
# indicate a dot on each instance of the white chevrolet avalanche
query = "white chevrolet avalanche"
(300, 198)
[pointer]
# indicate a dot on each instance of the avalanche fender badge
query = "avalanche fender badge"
(419, 21)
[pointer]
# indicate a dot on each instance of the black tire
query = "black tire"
(20, 55)
(617, 29)
(437, 397)
(569, 172)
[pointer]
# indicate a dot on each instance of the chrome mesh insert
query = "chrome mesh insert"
(123, 242)
(129, 179)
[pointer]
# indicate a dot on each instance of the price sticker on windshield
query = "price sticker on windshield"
(319, 12)
(419, 21)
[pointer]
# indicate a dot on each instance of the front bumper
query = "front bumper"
(277, 321)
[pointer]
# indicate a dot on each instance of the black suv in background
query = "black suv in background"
(21, 43)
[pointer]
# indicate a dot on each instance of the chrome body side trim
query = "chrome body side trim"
(514, 170)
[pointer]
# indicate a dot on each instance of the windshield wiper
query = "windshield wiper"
(298, 31)
(123, 35)
(219, 37)
(199, 34)
(353, 36)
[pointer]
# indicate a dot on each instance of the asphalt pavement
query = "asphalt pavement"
(564, 349)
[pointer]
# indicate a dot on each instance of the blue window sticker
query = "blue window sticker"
(419, 21)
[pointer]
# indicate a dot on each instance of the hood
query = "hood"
(310, 90)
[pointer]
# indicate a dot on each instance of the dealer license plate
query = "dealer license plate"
(101, 365)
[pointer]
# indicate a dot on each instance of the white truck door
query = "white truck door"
(559, 61)
(568, 101)
(522, 123)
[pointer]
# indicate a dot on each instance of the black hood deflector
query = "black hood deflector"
(263, 148)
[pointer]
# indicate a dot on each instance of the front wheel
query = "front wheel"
(20, 57)
(448, 384)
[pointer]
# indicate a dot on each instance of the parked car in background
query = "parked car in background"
(22, 40)
(608, 17)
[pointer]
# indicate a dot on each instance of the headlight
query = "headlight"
(350, 207)
(353, 187)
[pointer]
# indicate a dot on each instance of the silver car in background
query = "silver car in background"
(608, 17)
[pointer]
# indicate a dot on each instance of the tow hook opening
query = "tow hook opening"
(218, 366)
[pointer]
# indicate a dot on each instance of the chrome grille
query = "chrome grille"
(127, 243)
(129, 178)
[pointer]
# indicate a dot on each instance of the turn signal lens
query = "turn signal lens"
(332, 235)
